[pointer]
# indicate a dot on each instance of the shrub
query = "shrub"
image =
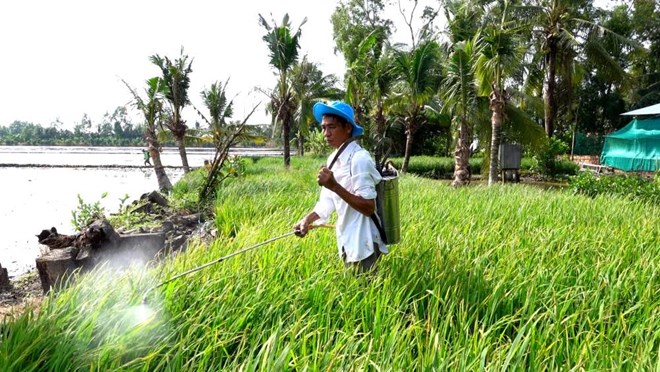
(185, 193)
(443, 168)
(548, 163)
(127, 218)
(87, 212)
(631, 186)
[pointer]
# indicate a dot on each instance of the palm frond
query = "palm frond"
(520, 127)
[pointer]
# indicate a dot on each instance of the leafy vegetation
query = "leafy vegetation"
(443, 168)
(518, 72)
(548, 161)
(517, 278)
(629, 186)
(128, 218)
(87, 212)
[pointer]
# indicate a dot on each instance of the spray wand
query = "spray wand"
(146, 293)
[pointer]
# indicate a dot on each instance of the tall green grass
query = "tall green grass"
(502, 278)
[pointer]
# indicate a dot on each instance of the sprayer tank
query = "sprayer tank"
(388, 206)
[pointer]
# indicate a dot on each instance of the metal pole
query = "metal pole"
(144, 298)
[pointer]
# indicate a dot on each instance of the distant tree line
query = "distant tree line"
(115, 129)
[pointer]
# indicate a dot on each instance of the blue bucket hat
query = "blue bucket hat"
(339, 108)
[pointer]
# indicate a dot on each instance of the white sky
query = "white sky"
(63, 58)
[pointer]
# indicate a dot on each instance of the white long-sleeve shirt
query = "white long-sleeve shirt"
(356, 233)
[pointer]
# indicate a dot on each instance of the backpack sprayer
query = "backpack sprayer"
(386, 218)
(146, 293)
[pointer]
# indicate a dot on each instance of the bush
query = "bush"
(127, 218)
(428, 166)
(588, 144)
(86, 212)
(631, 186)
(185, 193)
(548, 163)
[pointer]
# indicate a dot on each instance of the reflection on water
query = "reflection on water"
(122, 156)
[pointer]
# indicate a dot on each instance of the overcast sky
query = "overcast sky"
(63, 58)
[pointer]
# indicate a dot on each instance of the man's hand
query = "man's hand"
(301, 228)
(305, 224)
(326, 178)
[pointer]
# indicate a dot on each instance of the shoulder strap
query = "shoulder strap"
(374, 217)
(381, 231)
(340, 150)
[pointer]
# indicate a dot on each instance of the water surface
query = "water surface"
(33, 198)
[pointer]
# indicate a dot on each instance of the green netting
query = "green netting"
(635, 147)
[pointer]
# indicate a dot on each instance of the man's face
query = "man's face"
(334, 131)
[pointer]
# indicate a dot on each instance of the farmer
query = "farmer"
(146, 155)
(349, 188)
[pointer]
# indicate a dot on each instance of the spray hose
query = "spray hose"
(146, 293)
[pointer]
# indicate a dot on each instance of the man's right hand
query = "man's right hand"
(301, 228)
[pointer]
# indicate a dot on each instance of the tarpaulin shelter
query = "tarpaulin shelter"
(635, 147)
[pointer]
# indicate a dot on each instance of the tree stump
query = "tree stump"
(4, 278)
(54, 266)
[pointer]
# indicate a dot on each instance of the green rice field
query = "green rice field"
(510, 277)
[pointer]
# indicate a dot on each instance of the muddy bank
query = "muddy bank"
(25, 291)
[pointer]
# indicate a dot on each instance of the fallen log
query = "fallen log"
(54, 240)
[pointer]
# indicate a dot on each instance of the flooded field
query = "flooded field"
(40, 188)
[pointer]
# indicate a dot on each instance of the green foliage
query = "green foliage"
(87, 212)
(434, 167)
(443, 168)
(185, 193)
(548, 163)
(588, 144)
(500, 278)
(630, 186)
(114, 130)
(316, 144)
(127, 219)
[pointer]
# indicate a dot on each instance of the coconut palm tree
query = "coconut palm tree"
(369, 79)
(283, 45)
(361, 33)
(459, 88)
(152, 109)
(384, 78)
(309, 85)
(176, 81)
(459, 95)
(220, 109)
(500, 57)
(224, 135)
(418, 79)
(563, 36)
